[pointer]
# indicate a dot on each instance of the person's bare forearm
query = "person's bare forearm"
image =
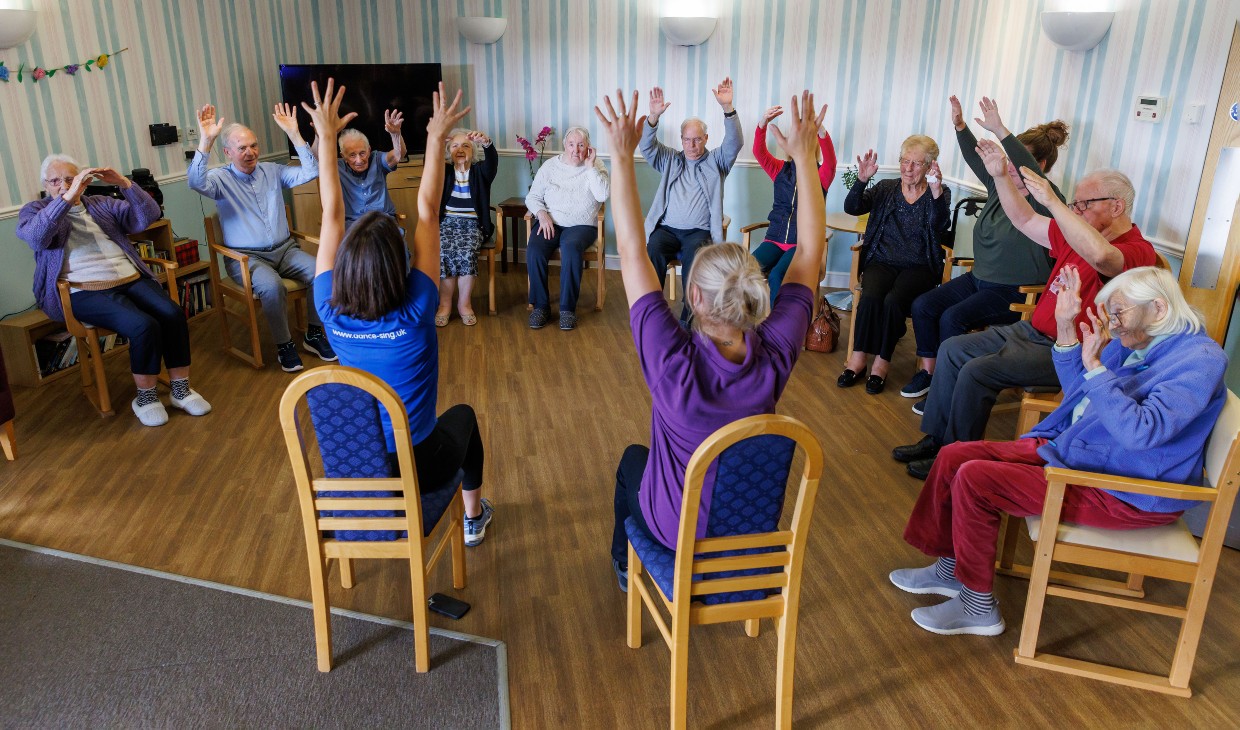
(1086, 241)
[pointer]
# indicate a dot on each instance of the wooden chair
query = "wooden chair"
(227, 289)
(8, 441)
(670, 287)
(747, 242)
(364, 505)
(1169, 552)
(487, 251)
(90, 354)
(750, 569)
(598, 251)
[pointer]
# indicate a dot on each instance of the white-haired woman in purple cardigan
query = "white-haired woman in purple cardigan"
(82, 239)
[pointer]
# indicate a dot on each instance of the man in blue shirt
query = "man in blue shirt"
(249, 199)
(363, 175)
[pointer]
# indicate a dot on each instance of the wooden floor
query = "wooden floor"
(213, 498)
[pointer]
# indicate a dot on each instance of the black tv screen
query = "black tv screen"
(371, 89)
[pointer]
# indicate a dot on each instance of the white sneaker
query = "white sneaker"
(151, 414)
(193, 404)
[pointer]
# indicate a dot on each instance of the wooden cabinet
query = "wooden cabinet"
(402, 184)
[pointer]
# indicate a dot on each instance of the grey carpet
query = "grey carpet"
(88, 645)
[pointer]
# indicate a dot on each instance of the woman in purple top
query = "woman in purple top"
(740, 354)
(379, 314)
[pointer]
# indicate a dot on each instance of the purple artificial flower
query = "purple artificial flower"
(531, 155)
(72, 68)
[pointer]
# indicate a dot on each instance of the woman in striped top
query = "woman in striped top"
(464, 220)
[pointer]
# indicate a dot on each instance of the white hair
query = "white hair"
(53, 159)
(734, 291)
(352, 135)
(585, 134)
(459, 132)
(692, 120)
(1115, 184)
(1143, 285)
(226, 134)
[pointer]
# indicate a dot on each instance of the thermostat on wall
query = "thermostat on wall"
(1151, 108)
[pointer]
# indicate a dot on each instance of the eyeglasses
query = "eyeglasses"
(1113, 317)
(57, 181)
(692, 140)
(912, 163)
(1080, 206)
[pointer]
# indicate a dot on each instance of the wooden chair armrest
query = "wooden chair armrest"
(307, 238)
(229, 253)
(755, 226)
(1032, 289)
(1093, 480)
(71, 322)
(165, 264)
(1022, 308)
(1041, 405)
(856, 247)
(402, 217)
(963, 261)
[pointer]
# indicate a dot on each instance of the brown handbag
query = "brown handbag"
(824, 331)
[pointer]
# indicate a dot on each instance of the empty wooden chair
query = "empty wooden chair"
(365, 505)
(746, 568)
(1170, 552)
(596, 253)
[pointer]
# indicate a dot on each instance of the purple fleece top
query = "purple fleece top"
(43, 225)
(695, 391)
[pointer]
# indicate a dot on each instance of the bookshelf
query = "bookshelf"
(19, 333)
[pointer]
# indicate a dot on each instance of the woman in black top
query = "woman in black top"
(901, 258)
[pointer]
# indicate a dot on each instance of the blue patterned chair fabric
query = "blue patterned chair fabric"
(751, 479)
(352, 445)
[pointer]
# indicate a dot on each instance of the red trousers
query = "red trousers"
(973, 482)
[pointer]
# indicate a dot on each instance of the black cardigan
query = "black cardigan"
(481, 175)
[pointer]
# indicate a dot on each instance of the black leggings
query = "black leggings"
(454, 444)
(887, 295)
(628, 482)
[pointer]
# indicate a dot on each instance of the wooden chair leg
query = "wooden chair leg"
(421, 621)
(752, 628)
(1190, 633)
(491, 282)
(602, 281)
(255, 347)
(633, 626)
(680, 673)
(785, 666)
(1011, 535)
(1039, 576)
(321, 610)
(458, 542)
(8, 441)
(94, 378)
(1136, 582)
(346, 573)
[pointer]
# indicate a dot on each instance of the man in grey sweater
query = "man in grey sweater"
(687, 211)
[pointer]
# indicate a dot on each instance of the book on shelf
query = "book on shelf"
(59, 350)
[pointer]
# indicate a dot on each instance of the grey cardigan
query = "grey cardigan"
(671, 163)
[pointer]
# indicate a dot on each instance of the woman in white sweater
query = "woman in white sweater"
(564, 200)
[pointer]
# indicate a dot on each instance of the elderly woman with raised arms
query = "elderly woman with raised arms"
(1141, 405)
(464, 220)
(82, 239)
(565, 200)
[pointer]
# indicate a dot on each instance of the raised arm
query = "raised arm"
(291, 176)
(655, 152)
(801, 144)
(392, 121)
(733, 141)
(138, 210)
(426, 234)
(624, 129)
(826, 171)
(209, 127)
(327, 125)
(1105, 258)
(1027, 221)
(768, 162)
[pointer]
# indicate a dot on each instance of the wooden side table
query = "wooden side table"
(512, 211)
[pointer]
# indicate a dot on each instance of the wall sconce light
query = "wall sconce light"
(482, 31)
(16, 24)
(687, 31)
(1074, 31)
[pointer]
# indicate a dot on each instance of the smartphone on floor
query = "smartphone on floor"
(447, 606)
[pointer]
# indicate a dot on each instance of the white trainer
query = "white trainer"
(193, 404)
(151, 414)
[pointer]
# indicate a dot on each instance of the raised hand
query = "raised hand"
(1094, 336)
(992, 157)
(957, 113)
(1039, 187)
(78, 186)
(991, 121)
(112, 177)
(657, 105)
(591, 156)
(392, 119)
(624, 127)
(1067, 302)
(445, 115)
(934, 178)
(479, 139)
(285, 115)
(326, 110)
(770, 114)
(867, 166)
(801, 142)
(723, 94)
(208, 125)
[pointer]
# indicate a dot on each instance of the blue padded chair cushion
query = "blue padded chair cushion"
(751, 479)
(352, 445)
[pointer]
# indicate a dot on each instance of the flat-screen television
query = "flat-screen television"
(371, 89)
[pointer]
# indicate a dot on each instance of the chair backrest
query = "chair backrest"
(1161, 261)
(363, 495)
(744, 555)
(971, 206)
(1223, 445)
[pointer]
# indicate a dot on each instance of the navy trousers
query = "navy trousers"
(667, 243)
(141, 312)
(961, 305)
(572, 241)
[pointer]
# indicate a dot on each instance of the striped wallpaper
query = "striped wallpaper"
(885, 68)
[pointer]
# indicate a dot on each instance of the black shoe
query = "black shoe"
(918, 386)
(920, 468)
(290, 361)
(874, 384)
(622, 574)
(568, 321)
(316, 344)
(920, 407)
(927, 448)
(538, 318)
(848, 378)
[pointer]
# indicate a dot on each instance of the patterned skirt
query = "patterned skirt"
(459, 241)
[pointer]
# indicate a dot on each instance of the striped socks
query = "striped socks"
(975, 603)
(945, 569)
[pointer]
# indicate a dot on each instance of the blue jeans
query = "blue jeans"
(267, 268)
(572, 243)
(774, 262)
(961, 305)
(667, 243)
(142, 312)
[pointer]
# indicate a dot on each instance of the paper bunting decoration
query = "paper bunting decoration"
(36, 72)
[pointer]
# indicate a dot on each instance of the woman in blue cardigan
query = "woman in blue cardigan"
(1140, 405)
